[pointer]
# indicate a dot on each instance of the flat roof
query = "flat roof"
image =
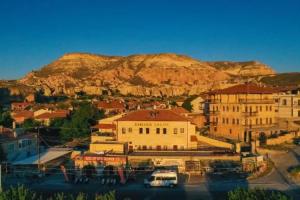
(44, 157)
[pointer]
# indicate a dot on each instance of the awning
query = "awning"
(45, 157)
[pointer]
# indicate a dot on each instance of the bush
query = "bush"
(256, 194)
(22, 193)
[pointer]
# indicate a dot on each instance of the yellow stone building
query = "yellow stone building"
(243, 112)
(156, 130)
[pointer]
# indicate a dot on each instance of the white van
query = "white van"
(166, 178)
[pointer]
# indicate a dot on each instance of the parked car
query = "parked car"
(166, 178)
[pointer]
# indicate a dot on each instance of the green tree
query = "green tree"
(5, 118)
(30, 124)
(253, 194)
(81, 120)
(187, 103)
(57, 122)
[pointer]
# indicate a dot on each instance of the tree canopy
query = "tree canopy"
(5, 118)
(81, 120)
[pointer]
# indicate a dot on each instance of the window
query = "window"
(260, 120)
(150, 147)
(123, 130)
(227, 121)
(298, 113)
(223, 120)
(165, 147)
(233, 121)
(246, 109)
(267, 120)
(230, 131)
(175, 130)
(224, 108)
(141, 130)
(237, 121)
(256, 121)
(175, 148)
(267, 108)
(233, 108)
(181, 130)
(284, 102)
(260, 108)
(164, 131)
(157, 130)
(129, 130)
(238, 109)
(144, 147)
(299, 102)
(158, 147)
(270, 108)
(147, 130)
(271, 121)
(227, 108)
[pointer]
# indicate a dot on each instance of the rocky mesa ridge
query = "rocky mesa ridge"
(141, 75)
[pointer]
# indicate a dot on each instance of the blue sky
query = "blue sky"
(35, 32)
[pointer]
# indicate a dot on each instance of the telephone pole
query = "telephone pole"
(38, 147)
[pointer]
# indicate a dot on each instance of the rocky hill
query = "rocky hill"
(148, 74)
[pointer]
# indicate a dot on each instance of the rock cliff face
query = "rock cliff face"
(141, 75)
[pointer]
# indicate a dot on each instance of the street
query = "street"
(207, 187)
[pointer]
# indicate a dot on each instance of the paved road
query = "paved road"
(205, 188)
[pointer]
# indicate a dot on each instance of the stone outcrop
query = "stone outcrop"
(140, 75)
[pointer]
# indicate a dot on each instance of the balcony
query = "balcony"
(214, 112)
(250, 114)
(214, 101)
(256, 101)
(213, 123)
(103, 137)
(260, 126)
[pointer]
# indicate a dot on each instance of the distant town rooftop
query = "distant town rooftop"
(152, 115)
(248, 88)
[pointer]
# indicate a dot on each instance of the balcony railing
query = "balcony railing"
(250, 114)
(256, 101)
(103, 134)
(214, 112)
(256, 126)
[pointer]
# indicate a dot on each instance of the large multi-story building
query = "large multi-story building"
(288, 109)
(156, 130)
(288, 104)
(243, 112)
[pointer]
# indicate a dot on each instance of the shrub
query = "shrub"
(256, 194)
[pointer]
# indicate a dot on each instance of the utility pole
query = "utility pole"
(0, 177)
(38, 147)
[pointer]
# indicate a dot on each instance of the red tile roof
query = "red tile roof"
(26, 114)
(105, 126)
(21, 104)
(152, 115)
(53, 115)
(245, 89)
(180, 110)
(111, 104)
